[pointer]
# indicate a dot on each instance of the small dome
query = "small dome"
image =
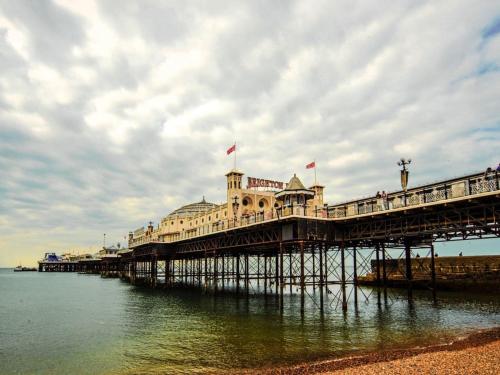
(193, 209)
(295, 187)
(295, 184)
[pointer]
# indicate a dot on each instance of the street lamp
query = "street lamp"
(404, 175)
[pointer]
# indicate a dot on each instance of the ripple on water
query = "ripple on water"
(69, 323)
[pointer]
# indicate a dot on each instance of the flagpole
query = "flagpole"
(315, 181)
(234, 155)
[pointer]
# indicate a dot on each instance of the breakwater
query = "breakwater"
(478, 273)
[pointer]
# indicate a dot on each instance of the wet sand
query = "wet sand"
(478, 353)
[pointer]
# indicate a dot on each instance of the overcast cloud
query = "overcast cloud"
(113, 113)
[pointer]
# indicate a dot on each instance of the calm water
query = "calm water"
(68, 323)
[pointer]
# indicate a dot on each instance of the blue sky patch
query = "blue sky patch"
(492, 29)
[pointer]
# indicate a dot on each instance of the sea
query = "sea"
(69, 323)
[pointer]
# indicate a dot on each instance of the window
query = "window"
(261, 204)
(245, 202)
(209, 218)
(216, 216)
(181, 222)
(239, 184)
(172, 223)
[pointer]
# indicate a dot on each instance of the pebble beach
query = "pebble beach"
(478, 353)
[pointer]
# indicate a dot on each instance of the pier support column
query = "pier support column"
(384, 267)
(342, 266)
(277, 270)
(199, 272)
(167, 273)
(206, 270)
(377, 261)
(302, 273)
(154, 271)
(223, 270)
(321, 280)
(384, 272)
(313, 256)
(258, 271)
(216, 272)
(433, 274)
(265, 273)
(172, 278)
(355, 274)
(247, 274)
(325, 249)
(409, 275)
(281, 277)
(237, 273)
(186, 279)
(133, 271)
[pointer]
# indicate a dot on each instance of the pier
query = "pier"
(293, 250)
(305, 249)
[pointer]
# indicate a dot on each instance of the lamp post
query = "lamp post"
(404, 175)
(235, 208)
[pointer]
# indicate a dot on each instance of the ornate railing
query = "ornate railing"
(441, 191)
(222, 225)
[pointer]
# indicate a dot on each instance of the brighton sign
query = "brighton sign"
(262, 183)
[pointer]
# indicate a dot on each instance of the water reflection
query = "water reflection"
(186, 331)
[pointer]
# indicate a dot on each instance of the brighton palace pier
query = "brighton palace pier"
(276, 238)
(258, 202)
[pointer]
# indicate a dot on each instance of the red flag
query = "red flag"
(311, 165)
(231, 149)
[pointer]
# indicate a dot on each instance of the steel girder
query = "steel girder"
(460, 222)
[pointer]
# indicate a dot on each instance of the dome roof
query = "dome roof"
(295, 184)
(193, 208)
(295, 187)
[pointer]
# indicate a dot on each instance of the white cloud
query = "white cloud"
(113, 113)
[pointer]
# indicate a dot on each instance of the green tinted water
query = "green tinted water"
(68, 323)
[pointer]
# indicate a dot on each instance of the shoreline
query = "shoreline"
(479, 338)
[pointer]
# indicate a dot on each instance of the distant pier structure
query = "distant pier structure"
(276, 238)
(106, 262)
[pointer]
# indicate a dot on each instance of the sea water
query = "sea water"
(67, 323)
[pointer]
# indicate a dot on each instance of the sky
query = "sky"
(114, 113)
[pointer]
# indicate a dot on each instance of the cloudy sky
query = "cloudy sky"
(113, 113)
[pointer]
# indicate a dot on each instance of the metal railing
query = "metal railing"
(441, 191)
(226, 224)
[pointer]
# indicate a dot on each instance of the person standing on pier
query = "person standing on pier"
(379, 201)
(498, 168)
(385, 204)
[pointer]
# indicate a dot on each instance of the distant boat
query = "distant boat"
(24, 269)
